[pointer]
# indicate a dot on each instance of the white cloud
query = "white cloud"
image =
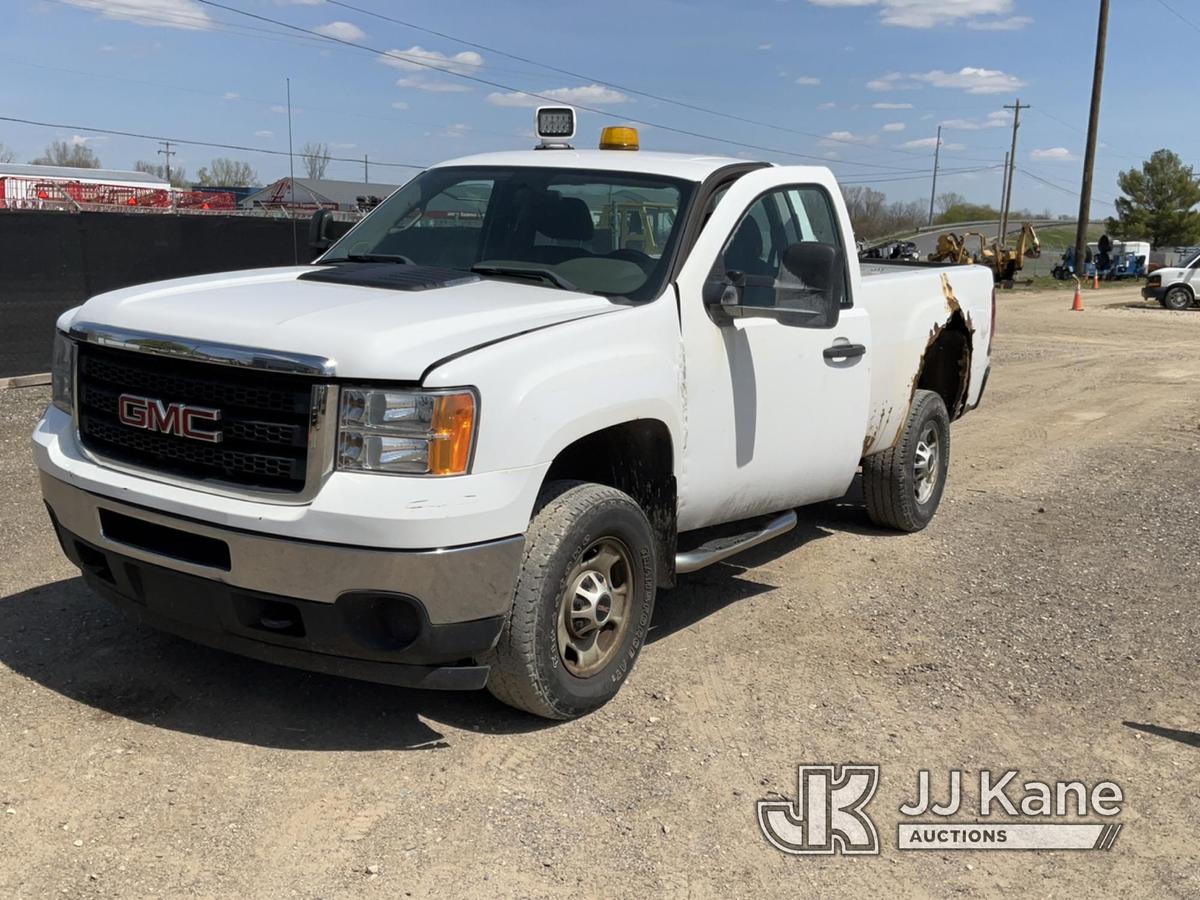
(971, 79)
(891, 106)
(230, 95)
(419, 83)
(828, 104)
(929, 143)
(185, 14)
(399, 104)
(1054, 154)
(808, 80)
(450, 131)
(264, 133)
(421, 62)
(998, 119)
(894, 126)
(418, 59)
(835, 138)
(589, 95)
(343, 31)
(1016, 23)
(764, 46)
(985, 14)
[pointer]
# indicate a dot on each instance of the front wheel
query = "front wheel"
(582, 604)
(903, 485)
(1177, 298)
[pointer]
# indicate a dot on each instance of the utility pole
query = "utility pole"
(366, 171)
(1089, 158)
(168, 153)
(292, 178)
(937, 150)
(1003, 194)
(1012, 165)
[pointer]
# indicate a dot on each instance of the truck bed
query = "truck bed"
(910, 303)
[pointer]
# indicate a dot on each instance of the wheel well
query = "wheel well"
(946, 366)
(638, 458)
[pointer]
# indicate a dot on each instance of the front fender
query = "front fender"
(541, 391)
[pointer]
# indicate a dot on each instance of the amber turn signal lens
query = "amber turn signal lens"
(453, 429)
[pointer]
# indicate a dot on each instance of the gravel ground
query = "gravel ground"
(1046, 621)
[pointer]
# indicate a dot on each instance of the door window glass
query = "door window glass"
(753, 255)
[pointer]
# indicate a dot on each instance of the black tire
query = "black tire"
(528, 669)
(1177, 298)
(890, 482)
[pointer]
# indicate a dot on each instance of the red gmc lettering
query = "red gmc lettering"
(168, 418)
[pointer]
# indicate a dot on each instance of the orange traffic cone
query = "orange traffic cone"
(1077, 306)
(1095, 281)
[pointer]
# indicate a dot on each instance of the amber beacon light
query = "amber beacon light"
(619, 137)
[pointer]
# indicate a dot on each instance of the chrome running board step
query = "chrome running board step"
(722, 548)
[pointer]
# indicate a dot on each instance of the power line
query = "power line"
(611, 84)
(1177, 14)
(919, 177)
(551, 100)
(192, 143)
(1059, 187)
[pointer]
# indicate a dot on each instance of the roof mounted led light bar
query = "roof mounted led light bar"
(555, 127)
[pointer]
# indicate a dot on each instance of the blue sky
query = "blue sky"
(861, 84)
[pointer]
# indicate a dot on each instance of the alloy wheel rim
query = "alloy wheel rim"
(593, 611)
(927, 464)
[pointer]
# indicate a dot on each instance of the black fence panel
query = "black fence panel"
(51, 261)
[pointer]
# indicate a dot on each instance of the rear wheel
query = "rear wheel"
(582, 605)
(903, 485)
(1177, 298)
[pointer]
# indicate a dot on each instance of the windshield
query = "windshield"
(610, 233)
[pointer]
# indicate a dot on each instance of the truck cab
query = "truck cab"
(469, 443)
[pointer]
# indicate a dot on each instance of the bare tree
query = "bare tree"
(6, 154)
(225, 172)
(158, 170)
(316, 158)
(75, 154)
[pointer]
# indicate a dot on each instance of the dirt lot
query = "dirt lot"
(1046, 621)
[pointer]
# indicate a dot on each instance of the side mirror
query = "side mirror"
(318, 231)
(820, 273)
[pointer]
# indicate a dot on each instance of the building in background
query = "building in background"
(312, 194)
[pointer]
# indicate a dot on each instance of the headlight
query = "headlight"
(406, 432)
(62, 373)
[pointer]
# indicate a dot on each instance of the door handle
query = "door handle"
(845, 351)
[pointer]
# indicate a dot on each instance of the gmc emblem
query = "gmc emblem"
(169, 418)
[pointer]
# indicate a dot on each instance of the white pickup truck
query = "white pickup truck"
(469, 443)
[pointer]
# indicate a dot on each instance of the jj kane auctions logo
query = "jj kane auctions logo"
(829, 814)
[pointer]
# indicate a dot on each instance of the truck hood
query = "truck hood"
(368, 332)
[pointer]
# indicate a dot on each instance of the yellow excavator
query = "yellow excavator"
(1003, 260)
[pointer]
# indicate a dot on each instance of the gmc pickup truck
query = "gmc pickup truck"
(467, 445)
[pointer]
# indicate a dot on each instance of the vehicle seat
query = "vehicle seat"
(744, 253)
(562, 219)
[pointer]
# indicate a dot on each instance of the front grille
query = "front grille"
(264, 423)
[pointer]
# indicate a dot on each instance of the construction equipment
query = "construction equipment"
(1004, 261)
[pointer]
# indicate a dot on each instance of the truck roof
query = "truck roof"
(687, 166)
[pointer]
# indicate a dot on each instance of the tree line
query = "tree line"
(874, 217)
(221, 172)
(1158, 201)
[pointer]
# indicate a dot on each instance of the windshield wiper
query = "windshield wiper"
(535, 272)
(375, 257)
